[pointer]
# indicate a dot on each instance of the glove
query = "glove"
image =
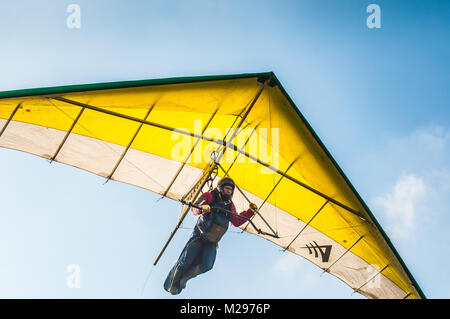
(253, 207)
(205, 208)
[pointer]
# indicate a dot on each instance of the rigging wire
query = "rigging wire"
(103, 143)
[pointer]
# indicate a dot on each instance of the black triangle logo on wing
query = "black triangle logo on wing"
(324, 251)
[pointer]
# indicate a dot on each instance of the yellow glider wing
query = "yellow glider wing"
(160, 134)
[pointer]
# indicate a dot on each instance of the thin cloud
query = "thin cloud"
(288, 263)
(416, 179)
(425, 148)
(402, 204)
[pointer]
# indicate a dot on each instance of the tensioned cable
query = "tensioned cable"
(103, 143)
(227, 145)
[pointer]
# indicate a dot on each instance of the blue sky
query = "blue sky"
(377, 98)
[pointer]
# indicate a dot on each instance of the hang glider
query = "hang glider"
(175, 136)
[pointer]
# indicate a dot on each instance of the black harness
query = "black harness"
(212, 225)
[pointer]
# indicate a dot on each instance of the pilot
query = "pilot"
(199, 254)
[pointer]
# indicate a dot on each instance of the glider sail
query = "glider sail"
(166, 135)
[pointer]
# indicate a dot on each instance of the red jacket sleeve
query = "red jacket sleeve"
(204, 199)
(236, 221)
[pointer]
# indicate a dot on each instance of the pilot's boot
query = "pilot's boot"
(189, 274)
(172, 282)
